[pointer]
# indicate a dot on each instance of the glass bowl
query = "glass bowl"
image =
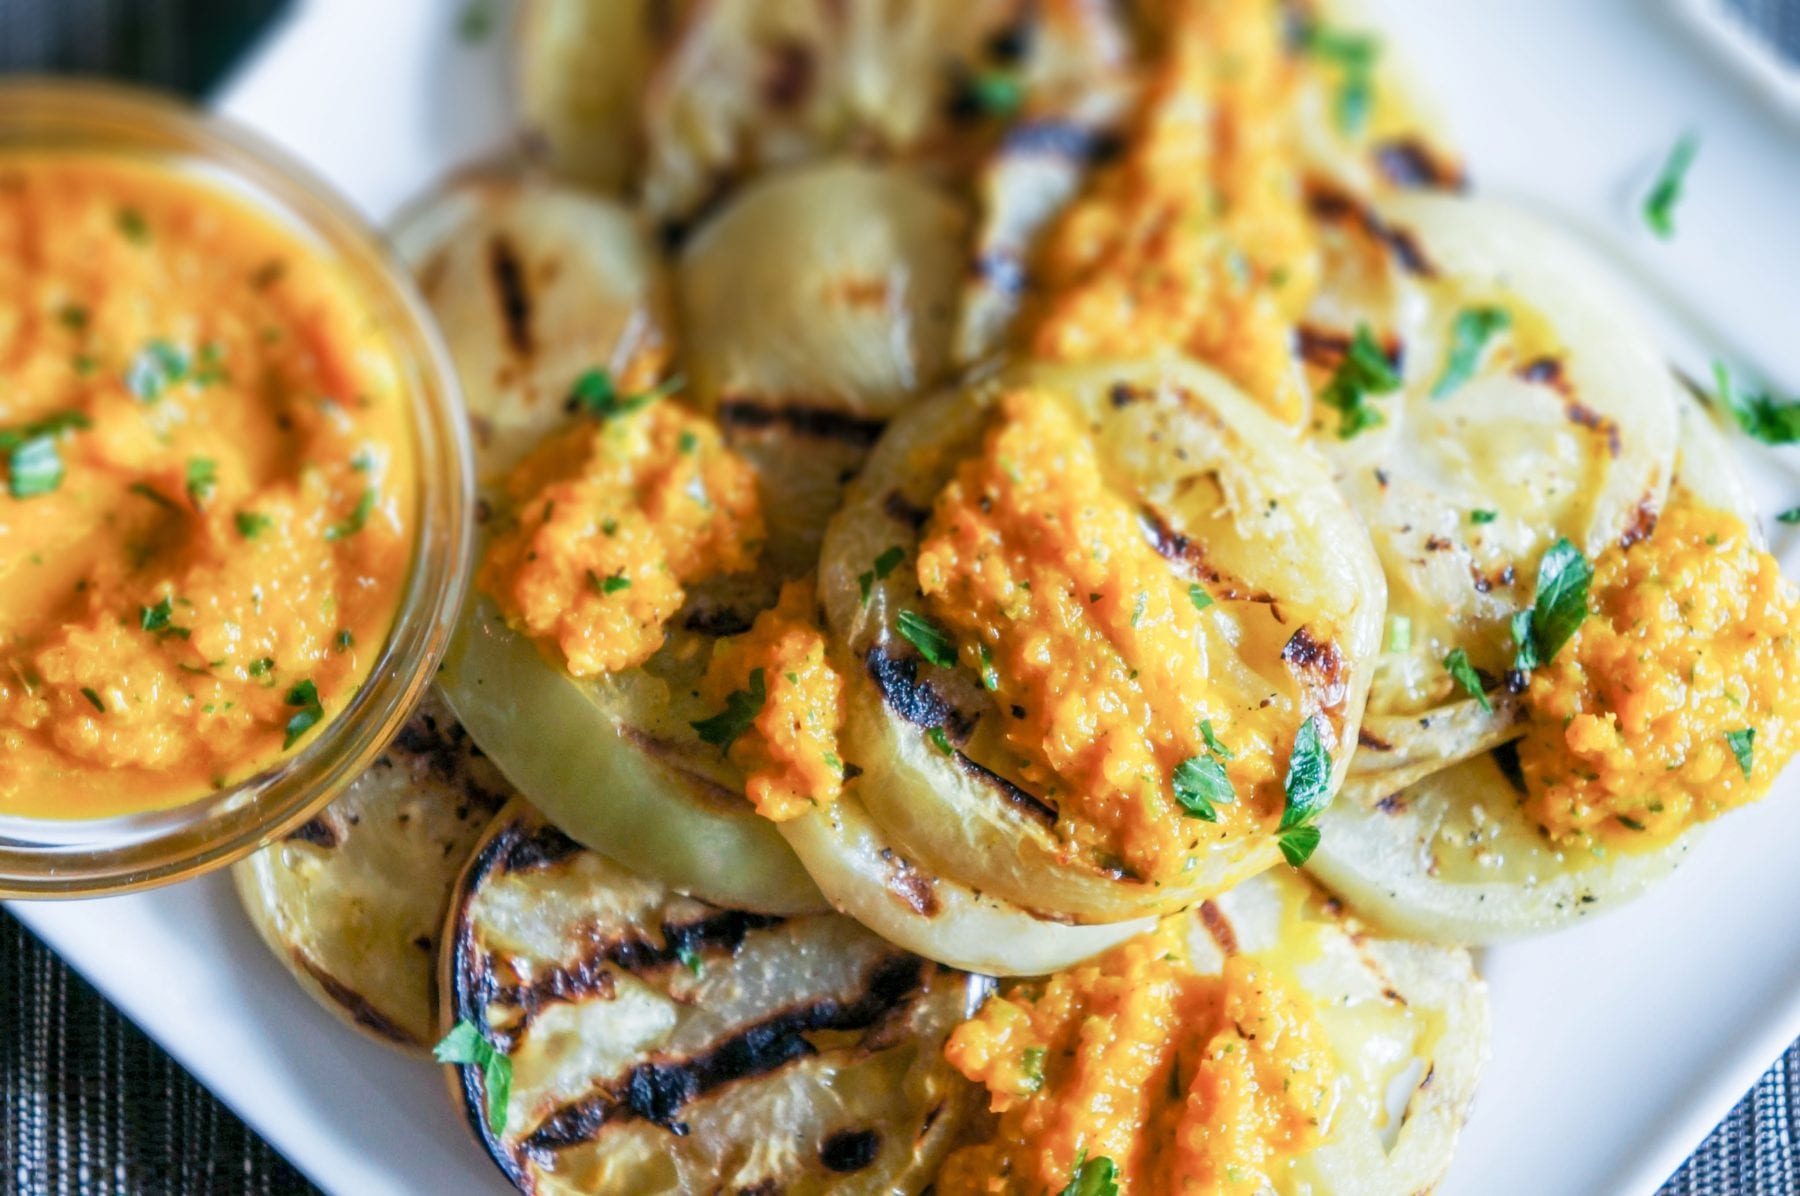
(55, 858)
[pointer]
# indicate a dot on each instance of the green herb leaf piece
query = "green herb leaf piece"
(1561, 603)
(595, 394)
(1355, 56)
(1212, 741)
(34, 467)
(1464, 674)
(1483, 516)
(465, 1045)
(1665, 193)
(940, 740)
(1791, 515)
(156, 618)
(1761, 415)
(305, 695)
(927, 637)
(994, 93)
(202, 479)
(93, 696)
(1743, 746)
(1298, 844)
(690, 959)
(251, 525)
(1092, 1177)
(1364, 372)
(1308, 783)
(1525, 654)
(133, 226)
(1201, 784)
(1199, 597)
(1032, 1065)
(1399, 636)
(356, 521)
(741, 708)
(1469, 335)
(158, 366)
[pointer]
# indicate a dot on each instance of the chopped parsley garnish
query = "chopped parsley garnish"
(925, 635)
(1791, 515)
(357, 520)
(1032, 1067)
(261, 666)
(251, 524)
(1743, 746)
(1137, 608)
(1200, 785)
(1212, 741)
(1479, 515)
(1092, 1177)
(475, 21)
(1308, 783)
(1365, 371)
(1355, 56)
(34, 467)
(940, 740)
(687, 442)
(690, 959)
(1399, 637)
(73, 316)
(1469, 335)
(465, 1045)
(1199, 597)
(1665, 193)
(610, 584)
(158, 366)
(211, 367)
(1525, 654)
(158, 617)
(741, 708)
(1561, 603)
(1761, 415)
(202, 479)
(885, 564)
(990, 679)
(1298, 844)
(93, 696)
(305, 695)
(1464, 674)
(134, 227)
(345, 640)
(595, 394)
(994, 93)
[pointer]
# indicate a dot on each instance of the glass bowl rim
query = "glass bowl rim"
(95, 857)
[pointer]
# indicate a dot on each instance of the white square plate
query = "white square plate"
(1617, 1045)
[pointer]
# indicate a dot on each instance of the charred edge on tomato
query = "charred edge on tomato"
(916, 701)
(717, 621)
(1329, 204)
(674, 757)
(1317, 664)
(1506, 759)
(321, 830)
(1002, 269)
(1410, 162)
(1218, 927)
(1366, 738)
(849, 1151)
(739, 413)
(913, 888)
(1179, 549)
(511, 293)
(1022, 800)
(448, 750)
(657, 1092)
(1549, 371)
(355, 1004)
(901, 509)
(1643, 523)
(789, 75)
(589, 974)
(1053, 137)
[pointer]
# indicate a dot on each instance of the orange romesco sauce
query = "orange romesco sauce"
(206, 487)
(1185, 1082)
(1677, 699)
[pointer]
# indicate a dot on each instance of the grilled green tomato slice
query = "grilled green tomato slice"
(353, 901)
(1229, 499)
(581, 70)
(1530, 405)
(752, 85)
(662, 1045)
(813, 308)
(1451, 858)
(533, 286)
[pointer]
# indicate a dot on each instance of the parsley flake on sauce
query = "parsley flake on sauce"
(1308, 783)
(1031, 1066)
(357, 519)
(1200, 785)
(465, 1045)
(202, 479)
(690, 959)
(741, 708)
(1212, 741)
(34, 467)
(1464, 674)
(1743, 746)
(133, 226)
(1665, 193)
(610, 584)
(158, 366)
(926, 636)
(1199, 597)
(595, 394)
(1092, 1177)
(93, 696)
(1469, 335)
(251, 524)
(1760, 414)
(1364, 372)
(305, 695)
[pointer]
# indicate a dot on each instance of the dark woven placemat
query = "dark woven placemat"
(91, 1107)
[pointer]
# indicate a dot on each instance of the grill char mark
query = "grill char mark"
(1332, 205)
(1409, 162)
(354, 1003)
(318, 830)
(738, 412)
(658, 1091)
(912, 699)
(1218, 927)
(849, 1151)
(511, 292)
